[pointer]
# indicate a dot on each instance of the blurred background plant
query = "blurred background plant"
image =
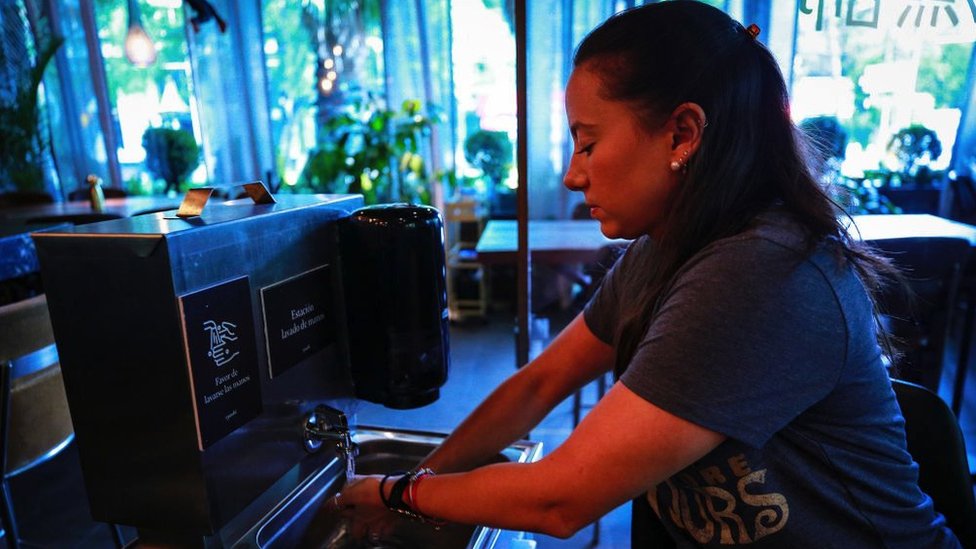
(855, 196)
(376, 151)
(491, 152)
(24, 138)
(911, 150)
(171, 155)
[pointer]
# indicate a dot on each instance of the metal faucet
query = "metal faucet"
(326, 423)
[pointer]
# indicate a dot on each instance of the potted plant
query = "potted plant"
(491, 152)
(912, 149)
(374, 151)
(24, 145)
(171, 155)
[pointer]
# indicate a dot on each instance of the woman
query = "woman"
(753, 406)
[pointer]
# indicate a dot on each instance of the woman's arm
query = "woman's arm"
(624, 446)
(571, 361)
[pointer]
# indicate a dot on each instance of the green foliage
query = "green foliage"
(23, 142)
(942, 73)
(858, 51)
(490, 152)
(301, 36)
(171, 155)
(914, 148)
(374, 151)
(166, 26)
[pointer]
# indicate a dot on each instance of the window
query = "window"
(321, 58)
(159, 95)
(881, 67)
(484, 89)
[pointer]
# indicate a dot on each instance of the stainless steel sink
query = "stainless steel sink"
(302, 520)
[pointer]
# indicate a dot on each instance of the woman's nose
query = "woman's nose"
(575, 179)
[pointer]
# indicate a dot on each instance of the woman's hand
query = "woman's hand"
(367, 516)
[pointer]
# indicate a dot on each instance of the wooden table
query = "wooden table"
(559, 241)
(880, 227)
(18, 259)
(124, 207)
(575, 241)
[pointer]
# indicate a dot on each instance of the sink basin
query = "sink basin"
(303, 520)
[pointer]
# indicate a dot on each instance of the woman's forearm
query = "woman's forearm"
(567, 489)
(505, 416)
(573, 359)
(511, 496)
(572, 486)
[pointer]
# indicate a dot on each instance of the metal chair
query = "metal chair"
(937, 446)
(35, 424)
(920, 320)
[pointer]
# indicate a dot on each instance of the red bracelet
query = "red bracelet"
(403, 494)
(412, 489)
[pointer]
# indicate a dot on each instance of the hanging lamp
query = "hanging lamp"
(139, 48)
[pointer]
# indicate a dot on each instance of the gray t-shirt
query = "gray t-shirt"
(774, 347)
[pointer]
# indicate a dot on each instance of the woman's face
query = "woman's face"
(622, 169)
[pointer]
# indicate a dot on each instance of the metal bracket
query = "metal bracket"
(196, 199)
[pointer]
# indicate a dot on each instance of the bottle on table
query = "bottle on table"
(96, 195)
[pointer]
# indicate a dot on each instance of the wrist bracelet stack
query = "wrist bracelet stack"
(403, 495)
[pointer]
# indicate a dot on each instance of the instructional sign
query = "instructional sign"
(297, 318)
(218, 332)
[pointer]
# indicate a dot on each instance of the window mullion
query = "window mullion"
(96, 65)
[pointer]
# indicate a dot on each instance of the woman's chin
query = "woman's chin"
(610, 230)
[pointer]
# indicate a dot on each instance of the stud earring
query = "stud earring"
(675, 165)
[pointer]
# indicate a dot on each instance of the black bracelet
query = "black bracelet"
(396, 503)
(396, 493)
(383, 497)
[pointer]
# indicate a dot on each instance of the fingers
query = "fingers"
(335, 502)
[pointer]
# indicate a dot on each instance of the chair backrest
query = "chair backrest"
(929, 263)
(75, 219)
(26, 328)
(963, 207)
(936, 444)
(24, 198)
(108, 192)
(920, 320)
(36, 422)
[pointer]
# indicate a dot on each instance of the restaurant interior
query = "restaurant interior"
(135, 116)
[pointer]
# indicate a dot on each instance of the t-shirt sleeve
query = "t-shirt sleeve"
(601, 311)
(748, 336)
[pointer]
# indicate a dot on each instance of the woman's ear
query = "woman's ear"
(689, 125)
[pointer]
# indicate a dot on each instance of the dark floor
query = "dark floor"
(52, 509)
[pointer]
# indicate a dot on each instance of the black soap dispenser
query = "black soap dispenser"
(394, 279)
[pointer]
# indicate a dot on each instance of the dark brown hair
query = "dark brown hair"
(658, 56)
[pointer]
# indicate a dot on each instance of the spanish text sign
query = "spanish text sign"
(297, 318)
(218, 331)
